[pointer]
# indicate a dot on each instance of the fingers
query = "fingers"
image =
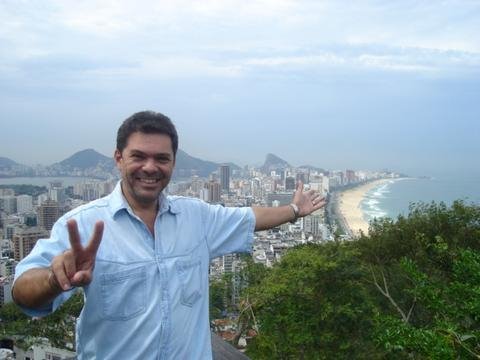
(299, 186)
(298, 194)
(75, 241)
(82, 278)
(74, 236)
(58, 267)
(319, 203)
(69, 263)
(74, 267)
(65, 273)
(96, 238)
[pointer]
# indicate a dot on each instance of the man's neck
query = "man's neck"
(147, 212)
(138, 207)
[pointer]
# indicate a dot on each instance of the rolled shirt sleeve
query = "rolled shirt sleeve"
(41, 257)
(229, 229)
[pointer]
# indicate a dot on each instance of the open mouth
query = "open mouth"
(149, 181)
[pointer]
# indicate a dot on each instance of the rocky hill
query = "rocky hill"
(87, 159)
(273, 162)
(91, 163)
(6, 163)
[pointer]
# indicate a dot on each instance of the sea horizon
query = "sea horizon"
(396, 196)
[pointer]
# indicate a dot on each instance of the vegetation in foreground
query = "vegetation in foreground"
(408, 290)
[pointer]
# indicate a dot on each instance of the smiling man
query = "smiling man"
(141, 257)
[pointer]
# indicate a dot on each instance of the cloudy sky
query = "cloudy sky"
(362, 85)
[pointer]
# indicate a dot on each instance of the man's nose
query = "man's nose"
(149, 166)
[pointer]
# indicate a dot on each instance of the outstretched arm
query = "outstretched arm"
(38, 287)
(306, 201)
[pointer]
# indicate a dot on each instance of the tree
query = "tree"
(453, 308)
(58, 327)
(410, 289)
(312, 305)
(218, 297)
(425, 271)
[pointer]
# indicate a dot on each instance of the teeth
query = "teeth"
(149, 181)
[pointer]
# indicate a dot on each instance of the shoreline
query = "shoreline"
(349, 206)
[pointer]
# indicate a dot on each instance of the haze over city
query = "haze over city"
(370, 85)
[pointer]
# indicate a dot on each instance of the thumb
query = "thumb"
(299, 186)
(83, 277)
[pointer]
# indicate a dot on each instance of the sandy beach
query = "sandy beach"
(349, 205)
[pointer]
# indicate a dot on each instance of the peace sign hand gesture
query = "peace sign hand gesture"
(74, 267)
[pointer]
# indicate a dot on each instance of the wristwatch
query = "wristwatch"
(296, 212)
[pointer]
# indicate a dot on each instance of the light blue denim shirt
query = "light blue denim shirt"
(149, 295)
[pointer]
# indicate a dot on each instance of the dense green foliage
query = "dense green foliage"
(313, 300)
(58, 327)
(410, 289)
(220, 295)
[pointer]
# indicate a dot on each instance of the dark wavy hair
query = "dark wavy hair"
(147, 122)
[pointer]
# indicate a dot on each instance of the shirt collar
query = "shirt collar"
(117, 202)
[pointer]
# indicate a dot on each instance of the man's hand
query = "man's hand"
(308, 201)
(74, 267)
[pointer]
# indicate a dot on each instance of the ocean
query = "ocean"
(394, 198)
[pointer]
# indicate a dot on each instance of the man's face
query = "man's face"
(146, 165)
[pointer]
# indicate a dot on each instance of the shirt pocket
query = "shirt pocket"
(124, 293)
(190, 275)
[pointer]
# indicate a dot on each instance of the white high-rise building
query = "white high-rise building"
(203, 194)
(57, 194)
(320, 184)
(325, 185)
(311, 224)
(8, 204)
(89, 191)
(41, 199)
(24, 204)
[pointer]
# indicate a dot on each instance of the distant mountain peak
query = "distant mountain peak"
(91, 163)
(88, 151)
(7, 163)
(273, 162)
(86, 159)
(187, 165)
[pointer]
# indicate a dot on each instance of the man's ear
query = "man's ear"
(117, 155)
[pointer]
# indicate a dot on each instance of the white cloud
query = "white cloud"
(390, 59)
(308, 61)
(230, 38)
(171, 67)
(392, 63)
(447, 25)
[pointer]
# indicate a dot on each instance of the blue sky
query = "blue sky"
(362, 85)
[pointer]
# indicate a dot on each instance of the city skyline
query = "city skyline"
(372, 86)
